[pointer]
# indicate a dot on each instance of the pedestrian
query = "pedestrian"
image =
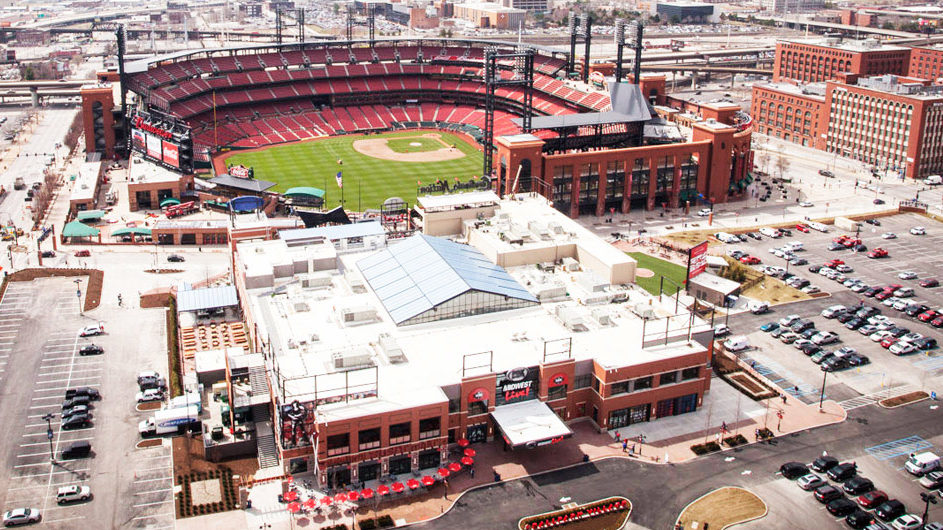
(471, 471)
(618, 435)
(632, 452)
(625, 445)
(784, 398)
(756, 434)
(796, 390)
(753, 364)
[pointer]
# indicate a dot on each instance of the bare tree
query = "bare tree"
(762, 160)
(782, 164)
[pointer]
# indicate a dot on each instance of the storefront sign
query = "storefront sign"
(478, 394)
(139, 123)
(241, 172)
(518, 384)
(558, 379)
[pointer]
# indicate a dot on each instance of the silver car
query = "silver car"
(21, 516)
(810, 482)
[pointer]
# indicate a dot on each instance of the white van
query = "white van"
(817, 226)
(770, 232)
(922, 463)
(794, 246)
(933, 180)
(726, 238)
(735, 344)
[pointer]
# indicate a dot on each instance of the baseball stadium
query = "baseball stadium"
(354, 123)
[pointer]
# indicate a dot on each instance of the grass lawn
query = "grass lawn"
(661, 268)
(723, 507)
(368, 181)
(404, 145)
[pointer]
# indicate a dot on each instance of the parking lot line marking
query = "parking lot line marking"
(64, 519)
(28, 455)
(32, 465)
(143, 504)
(152, 479)
(70, 472)
(60, 388)
(47, 374)
(153, 457)
(47, 443)
(66, 380)
(155, 516)
(162, 490)
(43, 433)
(165, 468)
(900, 447)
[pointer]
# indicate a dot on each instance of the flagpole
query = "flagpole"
(359, 196)
(215, 134)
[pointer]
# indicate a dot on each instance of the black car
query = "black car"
(878, 201)
(49, 254)
(874, 222)
(871, 291)
(857, 485)
(815, 268)
(76, 401)
(737, 254)
(925, 343)
(843, 471)
(152, 382)
(824, 463)
(799, 261)
(834, 364)
(841, 507)
(175, 258)
(855, 323)
(845, 316)
(89, 392)
(802, 325)
(859, 519)
(793, 470)
(827, 493)
(856, 359)
(915, 309)
(92, 349)
(835, 246)
(898, 332)
(785, 231)
(76, 421)
(755, 236)
(801, 283)
(891, 509)
(811, 349)
(79, 449)
(861, 248)
(809, 333)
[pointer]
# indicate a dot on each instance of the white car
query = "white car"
(918, 231)
(806, 204)
(902, 348)
(94, 329)
(151, 394)
(810, 289)
(789, 320)
(832, 310)
(889, 235)
(844, 268)
(802, 342)
(907, 522)
(770, 232)
(21, 516)
(907, 275)
(878, 336)
(825, 337)
(73, 493)
(704, 212)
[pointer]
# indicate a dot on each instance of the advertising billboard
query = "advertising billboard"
(697, 259)
(171, 154)
(519, 384)
(153, 146)
(137, 140)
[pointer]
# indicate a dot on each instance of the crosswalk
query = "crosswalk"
(870, 399)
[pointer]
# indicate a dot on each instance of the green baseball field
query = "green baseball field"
(374, 167)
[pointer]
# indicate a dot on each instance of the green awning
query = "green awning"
(169, 201)
(305, 190)
(88, 215)
(78, 229)
(132, 231)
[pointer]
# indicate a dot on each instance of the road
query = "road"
(659, 493)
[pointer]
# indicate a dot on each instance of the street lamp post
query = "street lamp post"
(52, 453)
(928, 499)
(822, 394)
(78, 292)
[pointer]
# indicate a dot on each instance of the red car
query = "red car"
(841, 239)
(930, 282)
(888, 342)
(750, 260)
(927, 316)
(802, 228)
(851, 242)
(832, 263)
(877, 253)
(872, 499)
(937, 322)
(884, 295)
(82, 253)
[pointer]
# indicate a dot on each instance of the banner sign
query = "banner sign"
(153, 146)
(697, 259)
(516, 385)
(171, 155)
(138, 122)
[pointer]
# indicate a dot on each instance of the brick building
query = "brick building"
(927, 63)
(790, 112)
(810, 61)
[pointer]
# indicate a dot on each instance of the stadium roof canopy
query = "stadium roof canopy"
(301, 236)
(628, 105)
(415, 278)
(169, 201)
(132, 230)
(208, 298)
(253, 185)
(78, 229)
(305, 191)
(88, 215)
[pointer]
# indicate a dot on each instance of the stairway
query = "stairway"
(257, 381)
(265, 444)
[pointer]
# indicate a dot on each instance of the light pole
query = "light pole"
(822, 394)
(78, 292)
(928, 499)
(52, 453)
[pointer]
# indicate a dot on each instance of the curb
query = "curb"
(925, 398)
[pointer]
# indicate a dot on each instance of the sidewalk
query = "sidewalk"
(491, 459)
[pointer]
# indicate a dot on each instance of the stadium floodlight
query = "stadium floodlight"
(574, 20)
(620, 31)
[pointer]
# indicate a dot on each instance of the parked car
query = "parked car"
(929, 282)
(907, 275)
(82, 253)
(824, 463)
(802, 325)
(915, 309)
(73, 493)
(902, 348)
(843, 471)
(793, 470)
(789, 320)
(769, 326)
(907, 521)
(856, 359)
(151, 394)
(859, 519)
(750, 260)
(91, 349)
(877, 253)
(841, 507)
(76, 401)
(175, 258)
(834, 364)
(890, 510)
(924, 343)
(21, 516)
(810, 481)
(824, 338)
(872, 499)
(857, 485)
(80, 449)
(918, 231)
(92, 330)
(827, 493)
(48, 254)
(932, 480)
(90, 392)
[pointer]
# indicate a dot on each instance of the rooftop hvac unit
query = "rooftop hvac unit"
(390, 347)
(359, 358)
(571, 319)
(603, 317)
(315, 281)
(571, 264)
(352, 316)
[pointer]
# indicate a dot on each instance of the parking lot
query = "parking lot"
(42, 364)
(887, 374)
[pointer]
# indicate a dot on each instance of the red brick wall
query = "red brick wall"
(765, 110)
(91, 96)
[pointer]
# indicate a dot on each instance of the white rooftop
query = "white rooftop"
(529, 421)
(457, 199)
(83, 189)
(141, 171)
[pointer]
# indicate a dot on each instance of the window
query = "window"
(582, 381)
(369, 439)
(400, 433)
(668, 378)
(640, 175)
(454, 405)
(615, 178)
(556, 392)
(642, 383)
(428, 428)
(621, 387)
(338, 444)
(477, 407)
(596, 384)
(690, 373)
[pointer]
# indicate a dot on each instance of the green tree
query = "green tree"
(29, 74)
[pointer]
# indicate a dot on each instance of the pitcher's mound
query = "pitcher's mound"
(644, 273)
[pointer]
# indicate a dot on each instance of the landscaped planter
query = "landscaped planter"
(608, 514)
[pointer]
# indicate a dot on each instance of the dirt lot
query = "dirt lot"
(185, 463)
(723, 507)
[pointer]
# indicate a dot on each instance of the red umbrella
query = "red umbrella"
(290, 496)
(289, 479)
(463, 442)
(467, 461)
(397, 487)
(428, 481)
(294, 507)
(367, 493)
(326, 500)
(353, 496)
(412, 483)
(383, 490)
(309, 504)
(455, 467)
(341, 497)
(444, 472)
(470, 452)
